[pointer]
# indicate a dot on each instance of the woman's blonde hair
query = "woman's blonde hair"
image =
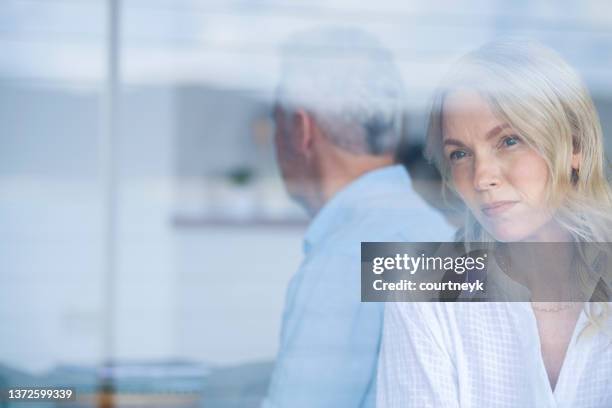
(533, 89)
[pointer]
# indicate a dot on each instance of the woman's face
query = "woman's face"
(501, 179)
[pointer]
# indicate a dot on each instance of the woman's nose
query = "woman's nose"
(487, 174)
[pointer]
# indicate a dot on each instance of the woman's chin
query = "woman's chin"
(527, 230)
(509, 237)
(509, 232)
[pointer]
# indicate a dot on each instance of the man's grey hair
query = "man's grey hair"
(348, 81)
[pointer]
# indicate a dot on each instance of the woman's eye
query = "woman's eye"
(457, 154)
(509, 141)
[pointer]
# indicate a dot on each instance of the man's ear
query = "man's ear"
(304, 126)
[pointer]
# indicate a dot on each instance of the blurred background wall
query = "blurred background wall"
(206, 239)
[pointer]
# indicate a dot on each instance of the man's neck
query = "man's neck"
(342, 173)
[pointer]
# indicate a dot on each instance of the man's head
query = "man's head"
(338, 111)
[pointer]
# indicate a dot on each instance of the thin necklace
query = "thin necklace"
(560, 306)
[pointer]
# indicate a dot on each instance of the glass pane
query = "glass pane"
(207, 238)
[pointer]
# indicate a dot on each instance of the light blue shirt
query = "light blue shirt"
(330, 340)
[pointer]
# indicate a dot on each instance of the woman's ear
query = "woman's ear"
(576, 161)
(576, 156)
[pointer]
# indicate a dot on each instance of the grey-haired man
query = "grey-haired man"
(338, 116)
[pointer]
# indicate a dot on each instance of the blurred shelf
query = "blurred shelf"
(228, 222)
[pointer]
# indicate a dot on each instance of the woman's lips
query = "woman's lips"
(497, 207)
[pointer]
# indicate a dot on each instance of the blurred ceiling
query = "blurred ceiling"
(235, 44)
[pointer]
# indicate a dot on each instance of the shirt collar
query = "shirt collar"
(340, 207)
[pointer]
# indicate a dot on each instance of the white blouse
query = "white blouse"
(486, 355)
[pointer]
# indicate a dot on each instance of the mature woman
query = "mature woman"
(516, 136)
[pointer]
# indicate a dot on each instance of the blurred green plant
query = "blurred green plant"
(241, 176)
